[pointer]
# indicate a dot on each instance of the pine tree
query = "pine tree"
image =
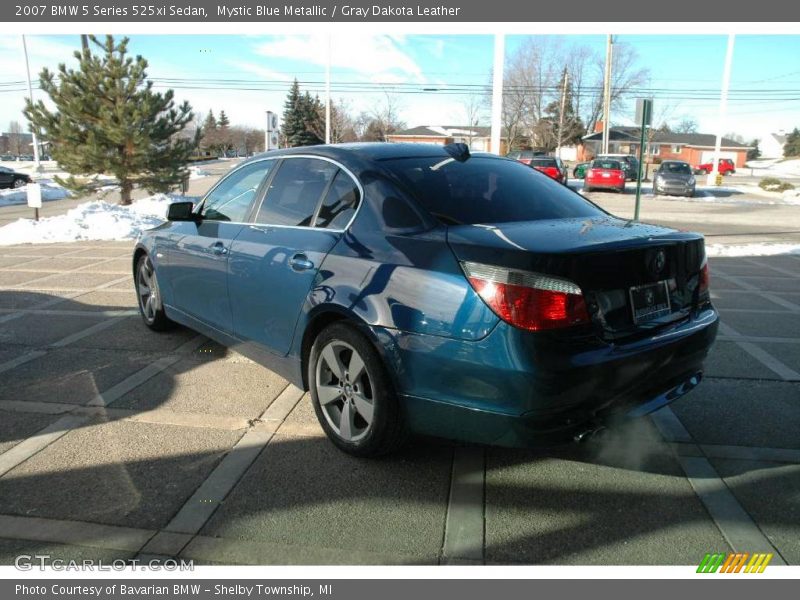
(223, 122)
(298, 112)
(210, 123)
(792, 146)
(108, 120)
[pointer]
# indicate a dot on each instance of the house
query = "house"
(771, 145)
(693, 148)
(477, 138)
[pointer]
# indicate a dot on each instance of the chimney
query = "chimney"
(598, 127)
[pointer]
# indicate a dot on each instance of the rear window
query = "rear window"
(544, 162)
(676, 168)
(607, 164)
(487, 190)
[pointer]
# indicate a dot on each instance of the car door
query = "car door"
(275, 261)
(6, 177)
(198, 257)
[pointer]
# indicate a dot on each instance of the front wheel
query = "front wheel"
(352, 394)
(149, 296)
(18, 183)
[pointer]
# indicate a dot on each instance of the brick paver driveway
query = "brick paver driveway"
(116, 442)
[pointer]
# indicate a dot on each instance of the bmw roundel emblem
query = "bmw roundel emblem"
(659, 262)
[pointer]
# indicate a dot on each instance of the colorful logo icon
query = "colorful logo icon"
(738, 562)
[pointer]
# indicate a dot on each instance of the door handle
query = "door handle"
(300, 262)
(219, 249)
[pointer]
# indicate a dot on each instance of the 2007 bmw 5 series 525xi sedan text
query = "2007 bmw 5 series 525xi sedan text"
(417, 288)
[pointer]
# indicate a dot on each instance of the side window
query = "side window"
(339, 204)
(232, 198)
(295, 191)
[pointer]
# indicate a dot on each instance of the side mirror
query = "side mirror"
(181, 211)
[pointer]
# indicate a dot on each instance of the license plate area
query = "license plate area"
(649, 301)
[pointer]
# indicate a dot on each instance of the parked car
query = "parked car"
(11, 179)
(552, 167)
(414, 287)
(605, 174)
(630, 164)
(7, 157)
(580, 169)
(674, 177)
(525, 156)
(726, 166)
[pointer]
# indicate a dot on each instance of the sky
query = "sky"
(765, 79)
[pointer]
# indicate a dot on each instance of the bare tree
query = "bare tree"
(16, 143)
(686, 125)
(382, 120)
(473, 110)
(587, 80)
(343, 128)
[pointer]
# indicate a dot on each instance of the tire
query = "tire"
(18, 183)
(360, 412)
(587, 189)
(148, 296)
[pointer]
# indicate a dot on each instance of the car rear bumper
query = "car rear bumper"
(514, 388)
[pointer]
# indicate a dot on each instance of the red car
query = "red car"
(604, 173)
(525, 156)
(726, 165)
(552, 167)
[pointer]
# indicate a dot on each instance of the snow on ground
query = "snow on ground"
(775, 167)
(50, 191)
(95, 220)
(763, 249)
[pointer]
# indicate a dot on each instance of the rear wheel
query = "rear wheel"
(352, 394)
(149, 296)
(18, 183)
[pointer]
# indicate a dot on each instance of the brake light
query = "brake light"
(705, 278)
(528, 300)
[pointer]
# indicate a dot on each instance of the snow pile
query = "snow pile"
(197, 173)
(50, 191)
(764, 249)
(96, 220)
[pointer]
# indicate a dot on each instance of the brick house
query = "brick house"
(478, 138)
(693, 148)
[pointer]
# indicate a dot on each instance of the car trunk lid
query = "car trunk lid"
(621, 266)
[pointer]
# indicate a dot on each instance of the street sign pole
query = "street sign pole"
(644, 108)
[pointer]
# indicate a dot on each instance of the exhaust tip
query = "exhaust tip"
(588, 434)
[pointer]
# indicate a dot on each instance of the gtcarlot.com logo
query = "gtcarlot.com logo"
(738, 562)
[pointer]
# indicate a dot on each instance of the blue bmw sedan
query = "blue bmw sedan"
(418, 288)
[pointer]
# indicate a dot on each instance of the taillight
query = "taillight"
(552, 172)
(528, 300)
(705, 278)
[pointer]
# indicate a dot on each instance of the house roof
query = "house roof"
(444, 131)
(633, 134)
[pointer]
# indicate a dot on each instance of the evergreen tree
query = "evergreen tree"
(547, 129)
(297, 114)
(755, 152)
(108, 120)
(792, 146)
(210, 123)
(223, 122)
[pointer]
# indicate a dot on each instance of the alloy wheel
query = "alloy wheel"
(345, 391)
(147, 290)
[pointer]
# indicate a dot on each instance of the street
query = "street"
(117, 442)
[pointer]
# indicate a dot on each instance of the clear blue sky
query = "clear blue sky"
(684, 64)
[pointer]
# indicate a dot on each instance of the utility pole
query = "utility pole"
(497, 92)
(84, 41)
(328, 94)
(561, 113)
(723, 109)
(607, 91)
(30, 95)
